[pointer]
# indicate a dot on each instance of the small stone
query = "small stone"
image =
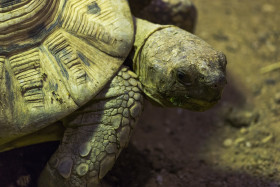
(228, 142)
(159, 179)
(242, 118)
(82, 169)
(233, 47)
(248, 144)
(270, 81)
(23, 181)
(220, 36)
(179, 111)
(243, 130)
(277, 98)
(268, 8)
(239, 140)
(267, 139)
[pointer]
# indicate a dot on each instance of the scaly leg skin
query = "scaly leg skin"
(95, 135)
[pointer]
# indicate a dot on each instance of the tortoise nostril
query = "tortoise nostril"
(221, 82)
(222, 59)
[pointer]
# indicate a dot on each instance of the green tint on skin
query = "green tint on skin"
(176, 68)
(95, 134)
(172, 67)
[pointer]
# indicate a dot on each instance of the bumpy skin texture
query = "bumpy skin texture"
(64, 70)
(96, 134)
(176, 68)
(181, 13)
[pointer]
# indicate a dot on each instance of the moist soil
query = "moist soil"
(237, 143)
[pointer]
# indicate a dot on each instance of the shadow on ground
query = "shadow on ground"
(165, 150)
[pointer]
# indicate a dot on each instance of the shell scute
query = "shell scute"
(103, 24)
(51, 67)
(26, 68)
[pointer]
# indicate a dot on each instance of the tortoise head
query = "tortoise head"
(178, 69)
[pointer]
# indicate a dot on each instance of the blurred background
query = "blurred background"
(237, 143)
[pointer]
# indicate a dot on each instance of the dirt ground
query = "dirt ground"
(237, 143)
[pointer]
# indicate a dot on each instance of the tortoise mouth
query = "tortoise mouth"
(192, 103)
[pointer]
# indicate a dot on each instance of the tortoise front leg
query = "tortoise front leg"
(95, 135)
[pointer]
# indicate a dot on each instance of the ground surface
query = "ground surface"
(235, 144)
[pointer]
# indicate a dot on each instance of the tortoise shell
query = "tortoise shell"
(56, 55)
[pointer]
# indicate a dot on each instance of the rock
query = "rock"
(248, 144)
(244, 130)
(239, 140)
(270, 82)
(159, 179)
(228, 142)
(24, 181)
(220, 36)
(268, 8)
(267, 138)
(277, 98)
(241, 118)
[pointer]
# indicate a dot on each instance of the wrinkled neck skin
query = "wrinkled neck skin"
(176, 68)
(144, 30)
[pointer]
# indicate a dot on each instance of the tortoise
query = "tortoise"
(62, 78)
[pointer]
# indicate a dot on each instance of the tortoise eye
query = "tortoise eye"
(180, 75)
(183, 78)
